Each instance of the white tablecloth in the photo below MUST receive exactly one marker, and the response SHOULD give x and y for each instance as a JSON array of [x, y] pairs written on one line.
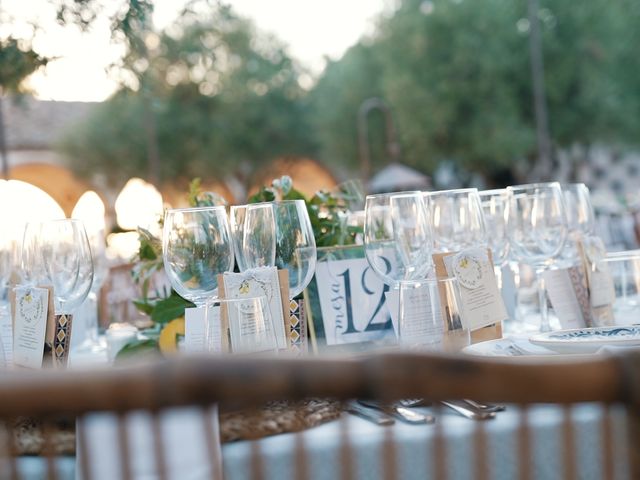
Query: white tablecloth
[[414, 444]]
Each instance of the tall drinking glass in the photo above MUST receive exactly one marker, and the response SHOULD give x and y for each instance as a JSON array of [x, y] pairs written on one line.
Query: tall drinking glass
[[537, 230], [580, 214], [430, 316], [196, 248], [251, 326]]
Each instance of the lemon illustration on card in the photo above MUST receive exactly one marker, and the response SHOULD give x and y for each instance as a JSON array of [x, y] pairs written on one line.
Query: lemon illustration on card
[[169, 335], [468, 271], [244, 287]]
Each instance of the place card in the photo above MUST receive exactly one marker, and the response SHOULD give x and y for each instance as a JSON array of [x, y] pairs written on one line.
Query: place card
[[248, 332], [30, 307], [569, 296], [259, 282], [483, 309]]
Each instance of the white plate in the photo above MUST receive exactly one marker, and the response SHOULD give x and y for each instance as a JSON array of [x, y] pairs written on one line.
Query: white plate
[[588, 340], [507, 347]]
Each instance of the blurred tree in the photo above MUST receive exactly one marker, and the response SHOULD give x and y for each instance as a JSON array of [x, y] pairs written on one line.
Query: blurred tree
[[457, 75], [224, 98], [18, 60], [335, 101]]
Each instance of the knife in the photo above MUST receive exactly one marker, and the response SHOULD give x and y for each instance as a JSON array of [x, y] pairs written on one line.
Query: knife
[[373, 415], [398, 411]]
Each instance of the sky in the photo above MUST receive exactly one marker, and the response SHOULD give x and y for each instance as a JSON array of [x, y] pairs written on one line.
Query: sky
[[313, 29]]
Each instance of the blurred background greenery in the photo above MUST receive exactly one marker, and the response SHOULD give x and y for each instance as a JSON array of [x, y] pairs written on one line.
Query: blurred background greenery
[[213, 96]]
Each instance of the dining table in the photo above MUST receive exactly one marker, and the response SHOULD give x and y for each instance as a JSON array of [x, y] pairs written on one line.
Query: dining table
[[413, 446]]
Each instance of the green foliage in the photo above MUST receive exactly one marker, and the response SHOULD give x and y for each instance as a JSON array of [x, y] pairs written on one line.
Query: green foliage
[[327, 212], [223, 98], [17, 61], [335, 101], [170, 308], [138, 349], [198, 198], [458, 78]]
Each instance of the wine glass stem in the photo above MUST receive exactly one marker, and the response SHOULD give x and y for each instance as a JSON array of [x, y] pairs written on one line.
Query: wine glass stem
[[498, 272], [92, 312], [542, 300]]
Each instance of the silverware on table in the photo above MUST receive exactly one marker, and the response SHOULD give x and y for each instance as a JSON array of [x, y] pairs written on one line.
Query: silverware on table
[[463, 409], [484, 407], [373, 415], [400, 412]]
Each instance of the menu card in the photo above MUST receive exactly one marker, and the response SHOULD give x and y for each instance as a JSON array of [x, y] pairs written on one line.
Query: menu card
[[482, 306], [30, 306], [264, 281]]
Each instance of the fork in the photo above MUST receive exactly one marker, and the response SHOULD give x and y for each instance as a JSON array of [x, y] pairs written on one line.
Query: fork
[[481, 407]]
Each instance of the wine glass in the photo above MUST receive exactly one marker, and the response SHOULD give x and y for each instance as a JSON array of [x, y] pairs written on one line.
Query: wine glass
[[57, 253], [397, 239], [494, 205], [295, 243], [6, 267], [196, 248], [494, 208], [580, 214], [8, 270], [236, 223], [258, 237], [456, 219], [537, 230], [580, 220]]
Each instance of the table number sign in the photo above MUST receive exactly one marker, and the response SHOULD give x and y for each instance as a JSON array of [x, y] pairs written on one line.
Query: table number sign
[[347, 302], [483, 309]]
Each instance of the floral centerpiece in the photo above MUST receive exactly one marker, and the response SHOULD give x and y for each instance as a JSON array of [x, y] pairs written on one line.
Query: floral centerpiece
[[165, 308]]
